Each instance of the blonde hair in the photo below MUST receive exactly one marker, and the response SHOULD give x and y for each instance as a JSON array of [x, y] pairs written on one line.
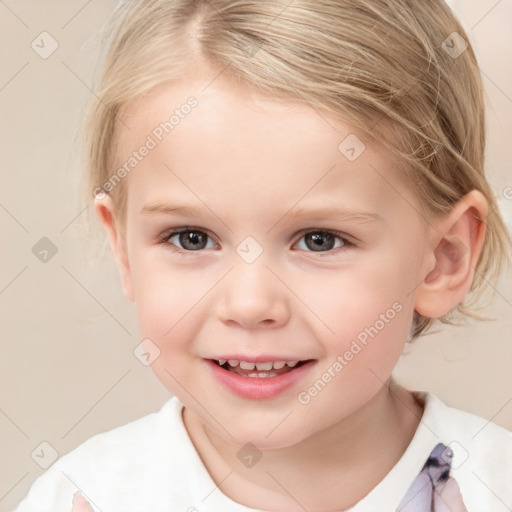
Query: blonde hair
[[391, 68]]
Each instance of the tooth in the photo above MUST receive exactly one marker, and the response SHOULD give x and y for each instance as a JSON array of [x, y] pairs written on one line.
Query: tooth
[[278, 365], [264, 366], [292, 363], [233, 362], [246, 365], [222, 361]]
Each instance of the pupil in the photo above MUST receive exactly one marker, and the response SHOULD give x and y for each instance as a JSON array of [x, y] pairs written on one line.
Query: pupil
[[324, 241], [191, 239]]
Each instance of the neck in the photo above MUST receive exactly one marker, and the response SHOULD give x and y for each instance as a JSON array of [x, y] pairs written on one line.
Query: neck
[[332, 469]]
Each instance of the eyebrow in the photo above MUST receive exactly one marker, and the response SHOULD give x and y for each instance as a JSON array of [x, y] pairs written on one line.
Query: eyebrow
[[330, 212], [322, 213], [168, 209]]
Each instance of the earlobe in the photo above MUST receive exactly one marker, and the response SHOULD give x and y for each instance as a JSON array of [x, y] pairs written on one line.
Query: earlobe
[[458, 243], [104, 209]]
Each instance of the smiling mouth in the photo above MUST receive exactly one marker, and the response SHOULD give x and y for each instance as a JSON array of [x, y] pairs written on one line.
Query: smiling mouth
[[259, 370]]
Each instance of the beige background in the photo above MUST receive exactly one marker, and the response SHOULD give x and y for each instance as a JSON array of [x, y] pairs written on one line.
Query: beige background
[[68, 333]]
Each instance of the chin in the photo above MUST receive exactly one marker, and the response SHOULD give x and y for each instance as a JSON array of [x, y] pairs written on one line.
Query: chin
[[264, 435]]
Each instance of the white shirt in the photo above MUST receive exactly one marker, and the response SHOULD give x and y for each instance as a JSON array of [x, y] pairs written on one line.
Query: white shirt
[[151, 465]]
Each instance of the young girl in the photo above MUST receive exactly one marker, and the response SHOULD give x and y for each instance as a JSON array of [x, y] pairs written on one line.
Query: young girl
[[292, 191]]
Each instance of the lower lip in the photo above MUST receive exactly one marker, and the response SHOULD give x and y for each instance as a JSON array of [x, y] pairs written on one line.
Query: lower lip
[[258, 388]]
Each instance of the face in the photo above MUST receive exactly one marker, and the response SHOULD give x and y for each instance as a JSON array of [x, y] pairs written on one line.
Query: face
[[250, 236]]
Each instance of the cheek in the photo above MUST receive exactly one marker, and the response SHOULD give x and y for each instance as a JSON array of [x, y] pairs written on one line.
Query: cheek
[[370, 328], [368, 309], [370, 338], [166, 298], [352, 299], [168, 305]]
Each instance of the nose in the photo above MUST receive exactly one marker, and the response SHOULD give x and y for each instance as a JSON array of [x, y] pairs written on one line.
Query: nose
[[252, 297]]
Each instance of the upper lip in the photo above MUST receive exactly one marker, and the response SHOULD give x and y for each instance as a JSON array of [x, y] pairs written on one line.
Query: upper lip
[[257, 359]]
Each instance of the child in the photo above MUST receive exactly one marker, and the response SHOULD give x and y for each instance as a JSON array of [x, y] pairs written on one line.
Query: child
[[292, 190]]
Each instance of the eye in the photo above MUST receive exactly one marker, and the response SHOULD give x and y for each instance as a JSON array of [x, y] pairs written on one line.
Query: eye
[[323, 241], [187, 239]]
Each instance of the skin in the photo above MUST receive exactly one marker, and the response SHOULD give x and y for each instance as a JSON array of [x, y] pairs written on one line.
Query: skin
[[80, 504], [435, 485], [253, 162]]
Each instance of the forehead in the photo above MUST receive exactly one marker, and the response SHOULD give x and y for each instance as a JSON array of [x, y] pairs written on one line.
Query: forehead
[[238, 148]]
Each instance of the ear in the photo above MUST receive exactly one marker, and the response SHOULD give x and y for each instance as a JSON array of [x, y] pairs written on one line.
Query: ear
[[104, 208], [458, 239]]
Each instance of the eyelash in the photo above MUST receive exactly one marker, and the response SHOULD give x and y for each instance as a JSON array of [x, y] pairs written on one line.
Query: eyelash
[[164, 240]]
